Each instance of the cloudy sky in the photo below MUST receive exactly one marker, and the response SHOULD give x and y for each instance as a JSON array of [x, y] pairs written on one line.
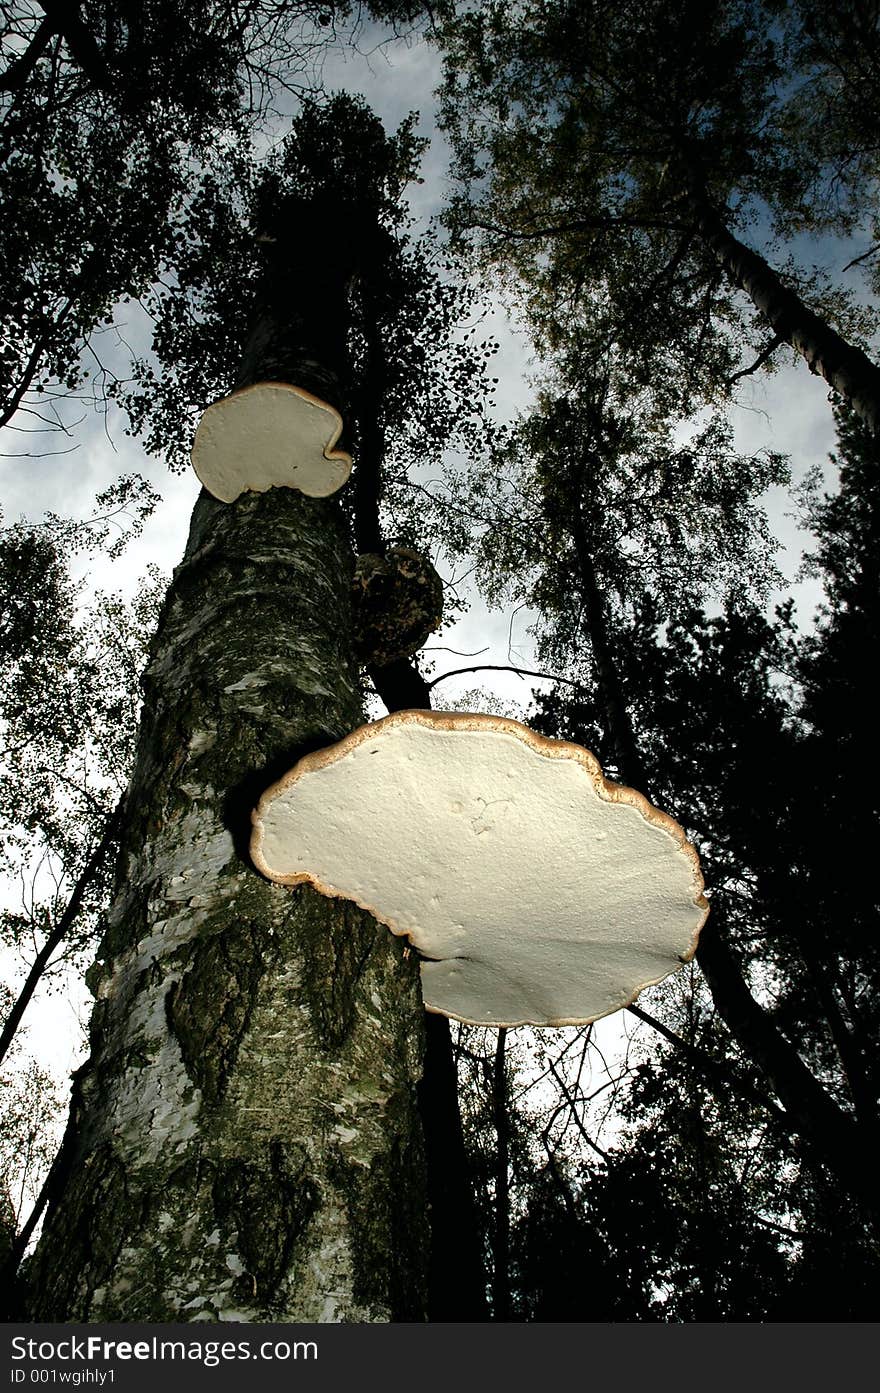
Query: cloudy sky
[[787, 412]]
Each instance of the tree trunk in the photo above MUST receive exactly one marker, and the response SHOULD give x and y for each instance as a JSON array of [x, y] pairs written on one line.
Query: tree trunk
[[68, 22], [845, 368], [57, 934], [833, 1138], [244, 1141], [618, 726], [501, 1226]]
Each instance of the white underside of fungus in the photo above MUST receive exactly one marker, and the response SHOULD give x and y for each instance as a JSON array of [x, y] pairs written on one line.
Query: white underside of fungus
[[537, 892], [270, 435]]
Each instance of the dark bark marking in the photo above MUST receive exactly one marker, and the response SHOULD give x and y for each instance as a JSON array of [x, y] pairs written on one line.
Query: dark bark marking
[[269, 1202], [338, 940], [209, 1009], [82, 1247], [401, 686], [243, 797], [386, 1214]]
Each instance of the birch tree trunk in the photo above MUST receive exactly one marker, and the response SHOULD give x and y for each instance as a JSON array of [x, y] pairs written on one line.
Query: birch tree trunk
[[844, 367], [244, 1141]]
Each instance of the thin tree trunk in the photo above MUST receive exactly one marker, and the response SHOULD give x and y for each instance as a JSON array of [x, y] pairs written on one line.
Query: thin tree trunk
[[501, 1225], [833, 1137], [618, 724], [718, 1075], [850, 1056], [61, 929], [16, 75], [456, 1279], [244, 1141], [844, 367], [68, 22]]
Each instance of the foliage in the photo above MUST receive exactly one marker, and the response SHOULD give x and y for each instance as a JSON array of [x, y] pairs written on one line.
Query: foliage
[[30, 1108], [748, 735], [416, 386], [95, 162], [112, 123], [608, 150], [68, 713], [668, 508], [829, 119]]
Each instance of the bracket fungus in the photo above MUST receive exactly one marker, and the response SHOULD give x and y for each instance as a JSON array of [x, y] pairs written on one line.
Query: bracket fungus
[[537, 892], [397, 602], [270, 435]]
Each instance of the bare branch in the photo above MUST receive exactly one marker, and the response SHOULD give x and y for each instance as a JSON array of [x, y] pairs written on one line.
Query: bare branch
[[759, 362], [872, 251], [503, 667], [563, 1087]]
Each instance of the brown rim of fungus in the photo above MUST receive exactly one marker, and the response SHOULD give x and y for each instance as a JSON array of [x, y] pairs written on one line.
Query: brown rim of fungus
[[607, 791], [201, 452]]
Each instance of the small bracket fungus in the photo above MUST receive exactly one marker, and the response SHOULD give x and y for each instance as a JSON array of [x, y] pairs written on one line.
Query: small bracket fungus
[[270, 435], [397, 601], [537, 892]]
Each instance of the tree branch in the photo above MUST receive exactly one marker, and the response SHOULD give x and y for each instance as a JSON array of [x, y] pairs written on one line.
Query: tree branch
[[832, 1135], [67, 21], [56, 937], [18, 72], [716, 1073], [504, 667], [563, 1087], [598, 224], [872, 251], [759, 362]]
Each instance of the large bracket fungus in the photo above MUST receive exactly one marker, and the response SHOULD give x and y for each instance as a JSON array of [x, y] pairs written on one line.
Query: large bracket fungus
[[270, 435], [536, 891]]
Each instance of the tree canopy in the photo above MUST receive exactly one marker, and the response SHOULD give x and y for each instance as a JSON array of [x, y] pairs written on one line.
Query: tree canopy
[[616, 160], [646, 190], [112, 118]]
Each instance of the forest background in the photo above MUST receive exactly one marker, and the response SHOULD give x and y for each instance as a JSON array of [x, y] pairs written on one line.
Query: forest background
[[609, 514]]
